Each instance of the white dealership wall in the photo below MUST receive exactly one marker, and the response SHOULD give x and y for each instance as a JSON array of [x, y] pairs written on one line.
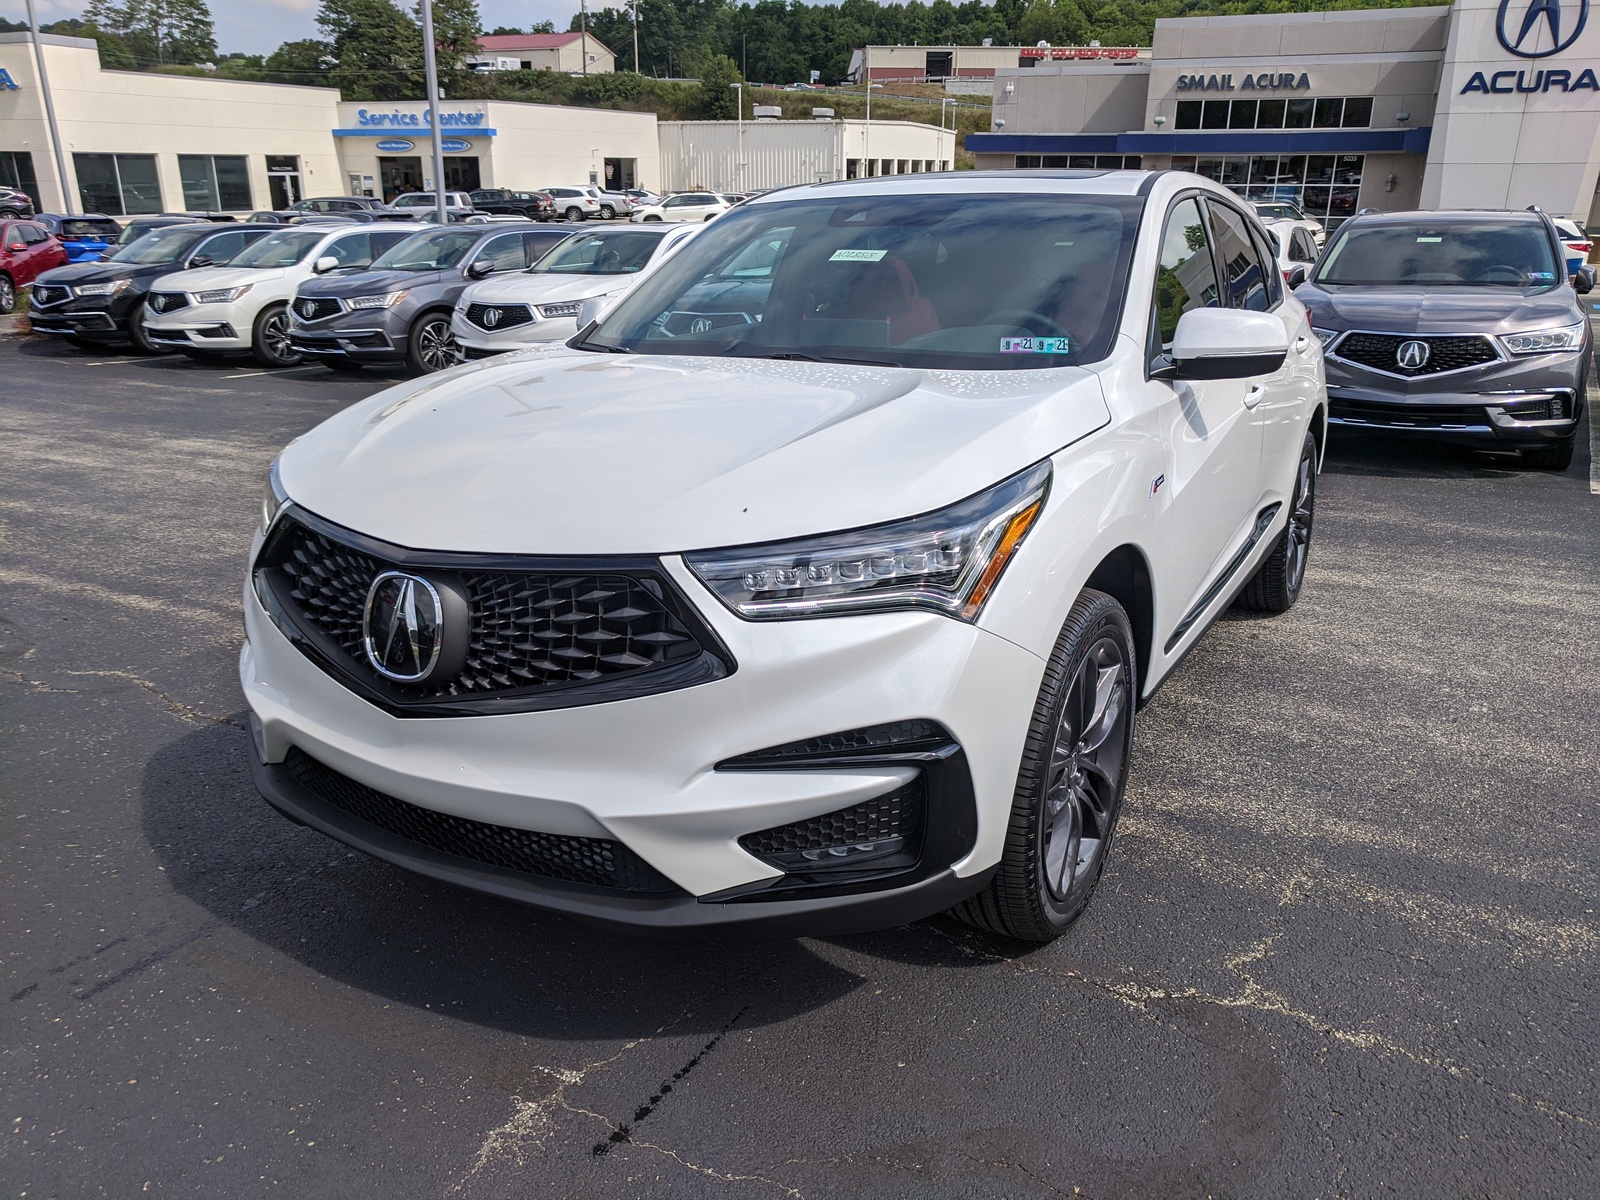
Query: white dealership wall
[[1497, 145], [127, 112], [727, 156]]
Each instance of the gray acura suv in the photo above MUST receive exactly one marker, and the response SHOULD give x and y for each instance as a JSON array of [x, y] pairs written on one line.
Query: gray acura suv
[[398, 310], [1460, 326]]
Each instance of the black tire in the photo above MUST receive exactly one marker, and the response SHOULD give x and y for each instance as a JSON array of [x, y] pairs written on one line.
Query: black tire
[[139, 338], [652, 217], [269, 338], [344, 366], [1276, 584], [8, 295], [1064, 794], [607, 213], [1557, 456], [431, 346], [574, 213]]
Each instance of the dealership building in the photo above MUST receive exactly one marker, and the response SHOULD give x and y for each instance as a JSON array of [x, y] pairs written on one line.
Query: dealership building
[[1483, 104]]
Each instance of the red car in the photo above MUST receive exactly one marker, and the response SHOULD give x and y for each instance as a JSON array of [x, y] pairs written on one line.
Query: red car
[[26, 251]]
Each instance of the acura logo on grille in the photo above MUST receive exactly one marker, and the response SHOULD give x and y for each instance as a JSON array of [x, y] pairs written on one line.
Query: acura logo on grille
[[491, 317], [402, 626], [308, 308], [1412, 355]]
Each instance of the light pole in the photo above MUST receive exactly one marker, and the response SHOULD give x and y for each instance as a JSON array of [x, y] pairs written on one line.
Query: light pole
[[866, 134], [430, 62], [635, 37], [50, 112], [943, 100], [583, 41], [738, 166]]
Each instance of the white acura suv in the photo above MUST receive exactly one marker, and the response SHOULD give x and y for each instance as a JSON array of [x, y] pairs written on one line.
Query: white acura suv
[[541, 304], [211, 311], [813, 598]]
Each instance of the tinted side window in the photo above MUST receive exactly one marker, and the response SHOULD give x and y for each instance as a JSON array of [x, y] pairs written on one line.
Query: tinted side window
[[1269, 261], [1186, 277], [1301, 247], [382, 241], [223, 247], [505, 251], [352, 251], [33, 234], [1247, 285]]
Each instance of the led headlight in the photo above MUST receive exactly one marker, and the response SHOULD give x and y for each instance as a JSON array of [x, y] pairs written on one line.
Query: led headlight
[[101, 289], [273, 497], [1556, 339], [947, 561], [387, 300], [224, 295], [1325, 335], [566, 308]]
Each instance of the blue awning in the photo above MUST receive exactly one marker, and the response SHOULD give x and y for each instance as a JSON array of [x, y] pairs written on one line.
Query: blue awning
[[1209, 141]]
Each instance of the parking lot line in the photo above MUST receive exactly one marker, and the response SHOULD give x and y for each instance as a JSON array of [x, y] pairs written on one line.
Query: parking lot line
[[244, 374]]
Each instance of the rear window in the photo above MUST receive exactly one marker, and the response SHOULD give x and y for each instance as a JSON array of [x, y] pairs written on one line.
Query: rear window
[[1441, 253], [109, 230]]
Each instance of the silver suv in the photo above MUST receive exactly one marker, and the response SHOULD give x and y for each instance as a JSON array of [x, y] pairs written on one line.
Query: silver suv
[[1459, 326]]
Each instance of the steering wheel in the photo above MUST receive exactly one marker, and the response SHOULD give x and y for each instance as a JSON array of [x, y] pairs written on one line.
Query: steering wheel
[[1026, 318], [1500, 274]]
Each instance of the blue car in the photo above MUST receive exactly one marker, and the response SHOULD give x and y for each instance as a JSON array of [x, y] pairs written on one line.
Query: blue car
[[86, 238]]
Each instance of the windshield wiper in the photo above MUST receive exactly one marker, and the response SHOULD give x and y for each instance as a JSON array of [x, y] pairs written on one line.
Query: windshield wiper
[[801, 356]]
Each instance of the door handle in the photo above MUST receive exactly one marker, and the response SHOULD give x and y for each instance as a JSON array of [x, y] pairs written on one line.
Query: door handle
[[1255, 395]]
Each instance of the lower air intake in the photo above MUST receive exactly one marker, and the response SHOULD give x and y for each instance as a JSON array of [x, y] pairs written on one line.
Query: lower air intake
[[874, 828]]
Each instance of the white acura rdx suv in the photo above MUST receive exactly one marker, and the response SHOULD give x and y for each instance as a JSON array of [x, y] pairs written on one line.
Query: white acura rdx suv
[[807, 598]]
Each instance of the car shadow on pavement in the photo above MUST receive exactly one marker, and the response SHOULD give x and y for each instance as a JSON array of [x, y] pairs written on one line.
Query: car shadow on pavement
[[419, 942], [1358, 452]]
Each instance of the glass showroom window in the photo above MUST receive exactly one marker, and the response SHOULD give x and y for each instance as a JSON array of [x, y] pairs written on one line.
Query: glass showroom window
[[16, 171], [214, 182], [1325, 186], [118, 185], [1346, 112]]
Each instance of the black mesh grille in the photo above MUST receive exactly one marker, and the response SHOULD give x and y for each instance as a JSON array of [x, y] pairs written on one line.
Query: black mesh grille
[[44, 293], [597, 862], [165, 302], [526, 630], [311, 308], [508, 316], [1379, 350], [1408, 416], [895, 815]]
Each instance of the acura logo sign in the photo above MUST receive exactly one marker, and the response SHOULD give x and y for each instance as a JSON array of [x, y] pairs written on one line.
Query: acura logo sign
[[1522, 26], [308, 309], [1412, 355], [491, 317], [403, 626]]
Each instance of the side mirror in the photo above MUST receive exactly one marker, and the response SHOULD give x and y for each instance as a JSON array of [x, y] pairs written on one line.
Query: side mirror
[[324, 264], [1297, 276], [1583, 281], [479, 269], [200, 260], [16, 245], [1224, 343]]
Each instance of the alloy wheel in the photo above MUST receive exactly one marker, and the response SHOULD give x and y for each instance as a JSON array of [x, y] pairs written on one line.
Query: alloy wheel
[[8, 295], [1300, 518], [275, 336], [1084, 779], [436, 345]]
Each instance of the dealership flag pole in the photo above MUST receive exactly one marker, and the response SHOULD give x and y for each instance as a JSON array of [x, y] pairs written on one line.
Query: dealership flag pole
[[50, 113], [430, 61]]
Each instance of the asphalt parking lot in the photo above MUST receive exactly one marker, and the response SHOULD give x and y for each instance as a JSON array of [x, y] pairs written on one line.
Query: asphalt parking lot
[[1346, 945]]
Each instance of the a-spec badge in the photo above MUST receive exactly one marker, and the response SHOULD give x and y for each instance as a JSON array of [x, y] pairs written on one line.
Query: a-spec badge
[[402, 626]]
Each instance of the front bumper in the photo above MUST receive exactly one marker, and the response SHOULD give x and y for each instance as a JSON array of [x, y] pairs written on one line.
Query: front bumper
[[1524, 402], [366, 335], [199, 326], [479, 342], [644, 772], [79, 319]]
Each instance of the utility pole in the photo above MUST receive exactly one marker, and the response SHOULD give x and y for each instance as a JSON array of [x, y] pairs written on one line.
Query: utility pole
[[583, 37], [50, 112], [635, 37], [738, 166], [430, 61]]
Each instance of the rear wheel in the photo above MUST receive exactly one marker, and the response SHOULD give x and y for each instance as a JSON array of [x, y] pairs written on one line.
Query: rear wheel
[[431, 346], [8, 295], [574, 213], [1276, 584], [269, 340], [1557, 456], [607, 212], [1069, 788]]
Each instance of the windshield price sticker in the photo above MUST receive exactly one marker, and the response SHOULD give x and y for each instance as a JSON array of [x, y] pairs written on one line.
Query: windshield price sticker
[[857, 255], [1034, 345]]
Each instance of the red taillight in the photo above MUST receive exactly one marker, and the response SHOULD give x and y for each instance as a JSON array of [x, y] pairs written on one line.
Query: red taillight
[[1584, 246]]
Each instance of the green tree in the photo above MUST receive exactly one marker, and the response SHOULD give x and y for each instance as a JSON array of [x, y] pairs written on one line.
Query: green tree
[[304, 61], [376, 48], [158, 31], [456, 29], [718, 100]]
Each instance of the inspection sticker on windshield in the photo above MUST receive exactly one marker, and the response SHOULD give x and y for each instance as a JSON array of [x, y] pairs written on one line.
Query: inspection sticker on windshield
[[856, 255], [1034, 345]]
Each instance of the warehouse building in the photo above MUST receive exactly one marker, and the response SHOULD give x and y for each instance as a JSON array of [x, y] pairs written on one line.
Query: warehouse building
[[742, 156], [1485, 104]]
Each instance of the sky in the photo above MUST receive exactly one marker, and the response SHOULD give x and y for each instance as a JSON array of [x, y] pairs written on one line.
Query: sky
[[261, 26]]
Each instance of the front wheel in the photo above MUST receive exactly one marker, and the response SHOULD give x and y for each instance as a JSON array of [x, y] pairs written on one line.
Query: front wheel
[[269, 341], [653, 217], [574, 213], [139, 337], [431, 347], [8, 295], [1069, 788], [1276, 584]]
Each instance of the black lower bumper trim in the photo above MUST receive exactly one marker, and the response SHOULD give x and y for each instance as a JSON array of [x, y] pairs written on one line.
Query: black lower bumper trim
[[678, 915]]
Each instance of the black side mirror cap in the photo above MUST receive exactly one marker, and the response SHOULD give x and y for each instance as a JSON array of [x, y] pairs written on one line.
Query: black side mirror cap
[[200, 260], [1219, 366], [1297, 276], [1583, 280]]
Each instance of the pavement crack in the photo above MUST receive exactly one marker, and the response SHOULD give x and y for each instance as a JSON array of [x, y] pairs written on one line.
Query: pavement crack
[[623, 1132], [148, 960], [184, 712], [724, 1176]]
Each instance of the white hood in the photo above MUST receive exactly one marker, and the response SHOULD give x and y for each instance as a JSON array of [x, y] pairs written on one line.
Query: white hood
[[580, 453], [522, 288], [209, 279]]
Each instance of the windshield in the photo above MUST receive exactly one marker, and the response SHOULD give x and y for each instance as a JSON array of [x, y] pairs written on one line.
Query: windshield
[[979, 282], [600, 254], [279, 249], [428, 251], [1279, 212], [158, 246], [1488, 253]]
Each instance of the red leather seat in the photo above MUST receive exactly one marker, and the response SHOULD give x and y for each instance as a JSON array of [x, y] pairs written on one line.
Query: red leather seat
[[887, 291]]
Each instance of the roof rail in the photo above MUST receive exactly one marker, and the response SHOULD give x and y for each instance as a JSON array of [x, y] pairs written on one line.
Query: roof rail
[[1536, 209], [1361, 212]]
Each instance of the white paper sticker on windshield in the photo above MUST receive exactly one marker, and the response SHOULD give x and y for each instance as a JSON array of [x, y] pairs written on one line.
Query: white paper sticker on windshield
[[1034, 345], [857, 255], [1437, 239]]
